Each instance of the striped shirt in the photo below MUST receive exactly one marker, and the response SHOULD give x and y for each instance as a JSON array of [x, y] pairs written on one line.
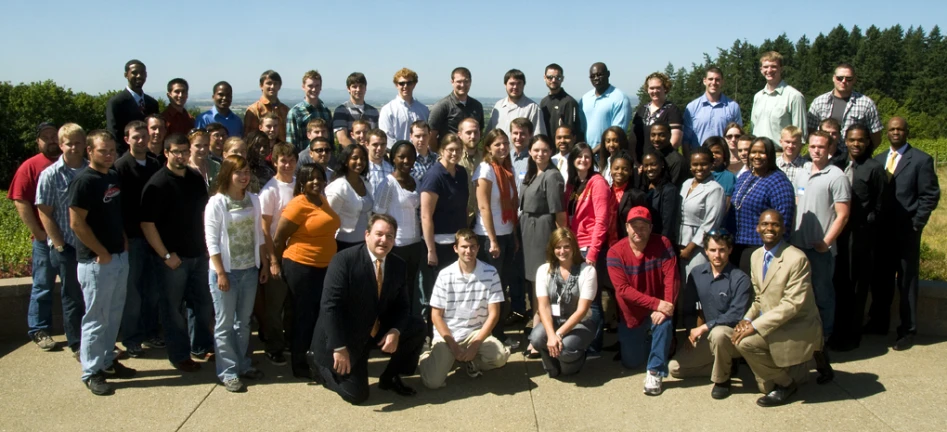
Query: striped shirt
[[52, 189], [465, 298], [376, 175], [859, 109], [298, 119]]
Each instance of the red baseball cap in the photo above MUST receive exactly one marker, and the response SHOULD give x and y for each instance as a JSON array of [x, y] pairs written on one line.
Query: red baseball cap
[[639, 212]]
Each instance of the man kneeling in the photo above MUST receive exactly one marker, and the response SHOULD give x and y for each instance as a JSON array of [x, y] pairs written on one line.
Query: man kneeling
[[465, 306], [723, 292]]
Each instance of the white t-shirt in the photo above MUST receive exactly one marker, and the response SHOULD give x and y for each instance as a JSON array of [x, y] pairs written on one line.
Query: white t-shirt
[[485, 171], [466, 298], [588, 283], [402, 205], [273, 198]]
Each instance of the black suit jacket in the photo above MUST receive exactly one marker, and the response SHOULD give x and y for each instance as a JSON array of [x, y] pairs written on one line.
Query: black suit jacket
[[350, 304], [122, 109], [913, 192]]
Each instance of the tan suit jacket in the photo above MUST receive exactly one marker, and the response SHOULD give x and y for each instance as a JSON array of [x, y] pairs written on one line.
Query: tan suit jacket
[[784, 312]]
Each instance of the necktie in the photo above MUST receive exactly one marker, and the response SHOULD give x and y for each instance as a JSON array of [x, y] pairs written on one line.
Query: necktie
[[891, 165], [141, 104], [378, 280], [767, 258]]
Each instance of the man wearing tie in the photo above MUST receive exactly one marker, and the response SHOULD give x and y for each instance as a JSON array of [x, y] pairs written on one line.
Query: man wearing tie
[[365, 303], [782, 327], [129, 104], [911, 195]]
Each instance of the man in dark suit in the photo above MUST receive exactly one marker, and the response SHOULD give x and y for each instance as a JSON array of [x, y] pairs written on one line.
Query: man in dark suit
[[365, 303], [912, 194], [129, 104]]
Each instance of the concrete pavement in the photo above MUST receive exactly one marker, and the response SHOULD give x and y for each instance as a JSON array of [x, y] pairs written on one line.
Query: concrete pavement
[[875, 389]]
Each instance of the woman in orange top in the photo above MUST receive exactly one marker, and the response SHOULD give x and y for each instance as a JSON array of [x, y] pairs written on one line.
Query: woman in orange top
[[304, 245]]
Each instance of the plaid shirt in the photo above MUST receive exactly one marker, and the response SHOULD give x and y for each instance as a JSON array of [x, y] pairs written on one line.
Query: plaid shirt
[[298, 118], [753, 195], [377, 174], [859, 109], [52, 190], [422, 164], [792, 169]]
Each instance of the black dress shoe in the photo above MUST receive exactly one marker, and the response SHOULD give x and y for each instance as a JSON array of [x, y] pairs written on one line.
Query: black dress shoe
[[903, 343], [779, 396], [720, 391], [313, 372], [822, 365], [394, 384]]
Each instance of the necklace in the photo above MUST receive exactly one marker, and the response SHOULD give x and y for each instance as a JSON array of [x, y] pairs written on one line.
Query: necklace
[[742, 196]]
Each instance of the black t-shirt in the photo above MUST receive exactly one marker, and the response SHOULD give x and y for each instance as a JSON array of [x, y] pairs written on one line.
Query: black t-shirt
[[100, 195], [134, 176], [669, 114], [176, 206]]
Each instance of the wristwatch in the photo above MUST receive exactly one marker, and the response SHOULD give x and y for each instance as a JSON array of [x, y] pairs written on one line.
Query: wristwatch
[[60, 249], [167, 256]]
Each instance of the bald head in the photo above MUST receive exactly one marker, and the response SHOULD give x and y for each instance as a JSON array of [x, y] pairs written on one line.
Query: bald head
[[897, 132], [598, 75]]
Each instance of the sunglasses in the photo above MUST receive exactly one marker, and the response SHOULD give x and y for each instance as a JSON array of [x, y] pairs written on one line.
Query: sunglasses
[[733, 136], [319, 150], [719, 232], [405, 83], [195, 131], [553, 78], [844, 78]]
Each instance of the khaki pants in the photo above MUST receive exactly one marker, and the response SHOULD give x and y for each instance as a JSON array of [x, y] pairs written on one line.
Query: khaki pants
[[756, 352], [436, 363], [712, 356]]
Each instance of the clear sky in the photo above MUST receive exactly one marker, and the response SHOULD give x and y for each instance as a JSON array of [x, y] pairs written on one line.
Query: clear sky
[[84, 45]]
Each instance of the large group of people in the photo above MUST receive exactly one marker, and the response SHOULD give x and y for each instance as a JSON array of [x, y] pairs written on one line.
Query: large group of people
[[698, 241]]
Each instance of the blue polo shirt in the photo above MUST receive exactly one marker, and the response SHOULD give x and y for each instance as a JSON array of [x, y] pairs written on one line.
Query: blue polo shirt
[[598, 113], [231, 122], [703, 119], [450, 212]]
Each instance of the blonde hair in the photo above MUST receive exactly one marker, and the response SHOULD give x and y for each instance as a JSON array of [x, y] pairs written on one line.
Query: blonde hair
[[232, 142], [405, 73], [665, 81], [70, 130], [792, 131], [772, 56], [313, 75]]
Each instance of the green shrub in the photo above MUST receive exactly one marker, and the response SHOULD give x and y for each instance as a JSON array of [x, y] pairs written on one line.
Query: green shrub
[[16, 248]]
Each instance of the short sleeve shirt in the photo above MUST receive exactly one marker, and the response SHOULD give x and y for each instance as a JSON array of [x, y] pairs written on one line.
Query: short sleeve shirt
[[485, 171], [815, 205], [313, 243], [465, 298], [175, 204], [23, 186], [100, 196], [450, 212]]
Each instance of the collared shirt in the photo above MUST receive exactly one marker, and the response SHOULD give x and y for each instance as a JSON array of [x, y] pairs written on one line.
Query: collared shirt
[[372, 257], [377, 174], [448, 112], [260, 108], [520, 165], [231, 121], [178, 121], [466, 298], [704, 119], [348, 112], [724, 298], [793, 169], [562, 164], [600, 112], [868, 181], [505, 111], [859, 109], [396, 117], [899, 153], [139, 98], [815, 205], [422, 164], [560, 109], [774, 110], [470, 162], [51, 190], [297, 121]]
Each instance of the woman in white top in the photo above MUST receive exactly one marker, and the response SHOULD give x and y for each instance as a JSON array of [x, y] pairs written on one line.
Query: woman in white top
[[565, 289], [398, 197], [496, 203], [233, 232], [703, 208], [350, 196]]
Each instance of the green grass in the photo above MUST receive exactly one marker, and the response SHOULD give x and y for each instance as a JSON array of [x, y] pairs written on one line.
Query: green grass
[[934, 238], [15, 246]]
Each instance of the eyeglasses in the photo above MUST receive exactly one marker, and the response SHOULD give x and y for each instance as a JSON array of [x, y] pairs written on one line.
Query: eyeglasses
[[732, 136], [405, 83], [845, 78], [319, 150], [719, 232], [553, 78], [180, 152]]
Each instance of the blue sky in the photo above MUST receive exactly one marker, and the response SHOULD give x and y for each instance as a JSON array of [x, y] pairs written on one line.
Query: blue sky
[[84, 45]]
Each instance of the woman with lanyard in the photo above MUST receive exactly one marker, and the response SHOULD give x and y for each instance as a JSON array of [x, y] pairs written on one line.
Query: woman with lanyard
[[304, 244], [591, 209], [663, 197], [350, 196], [763, 187], [657, 110], [703, 204], [398, 196], [200, 150], [444, 194], [542, 209], [721, 152], [565, 289], [496, 217], [613, 140], [234, 235]]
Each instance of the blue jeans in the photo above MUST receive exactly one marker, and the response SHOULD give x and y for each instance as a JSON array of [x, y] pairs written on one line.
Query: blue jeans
[[636, 348], [232, 310], [140, 318], [73, 305], [103, 288], [517, 278], [40, 313], [185, 292], [823, 269]]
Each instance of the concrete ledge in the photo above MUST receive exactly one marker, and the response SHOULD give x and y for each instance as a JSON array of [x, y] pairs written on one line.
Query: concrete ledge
[[15, 301]]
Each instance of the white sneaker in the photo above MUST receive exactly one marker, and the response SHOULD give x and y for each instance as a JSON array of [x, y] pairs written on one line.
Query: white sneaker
[[652, 384]]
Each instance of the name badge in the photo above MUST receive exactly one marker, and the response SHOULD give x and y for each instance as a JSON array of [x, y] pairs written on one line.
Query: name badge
[[801, 191], [555, 310]]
